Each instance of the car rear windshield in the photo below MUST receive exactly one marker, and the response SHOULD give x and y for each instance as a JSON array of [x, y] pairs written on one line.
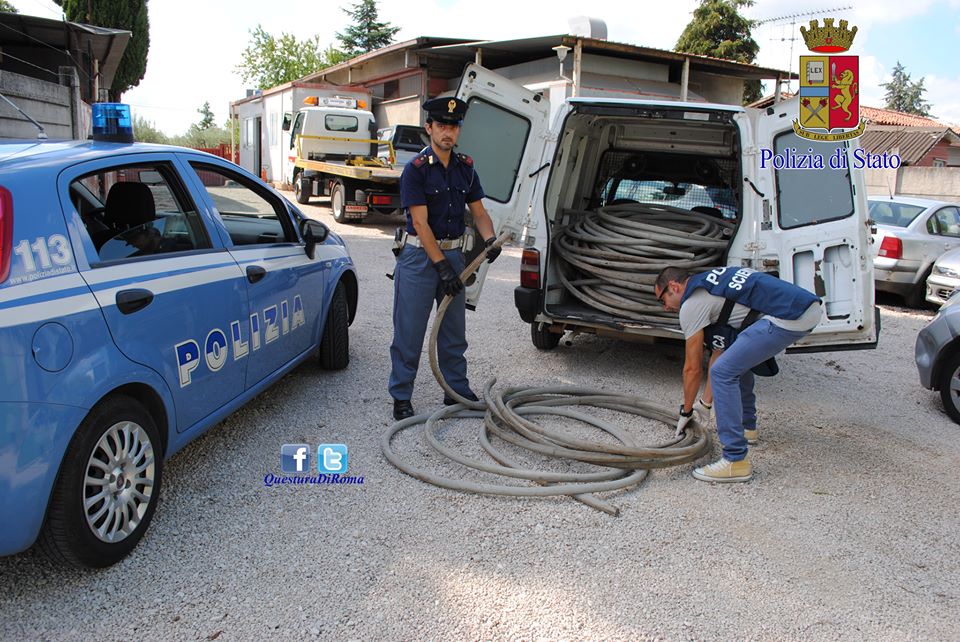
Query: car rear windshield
[[893, 213]]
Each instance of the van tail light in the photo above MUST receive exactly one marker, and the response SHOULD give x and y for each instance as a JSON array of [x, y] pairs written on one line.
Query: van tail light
[[381, 200], [530, 269], [891, 248], [6, 232]]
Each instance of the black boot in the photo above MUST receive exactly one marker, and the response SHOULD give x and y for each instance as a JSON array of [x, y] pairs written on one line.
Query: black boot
[[402, 409], [449, 401]]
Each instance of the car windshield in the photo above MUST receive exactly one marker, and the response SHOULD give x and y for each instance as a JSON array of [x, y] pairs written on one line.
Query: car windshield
[[682, 195], [894, 213]]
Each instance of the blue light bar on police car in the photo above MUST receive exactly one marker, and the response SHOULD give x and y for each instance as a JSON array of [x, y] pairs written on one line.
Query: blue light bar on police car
[[112, 123]]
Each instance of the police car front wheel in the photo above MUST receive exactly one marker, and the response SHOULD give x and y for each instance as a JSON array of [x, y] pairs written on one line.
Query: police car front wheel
[[108, 486]]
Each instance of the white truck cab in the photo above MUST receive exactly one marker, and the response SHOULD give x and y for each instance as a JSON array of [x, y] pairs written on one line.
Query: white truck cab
[[807, 226]]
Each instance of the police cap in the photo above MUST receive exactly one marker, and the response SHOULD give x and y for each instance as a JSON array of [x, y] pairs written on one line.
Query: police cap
[[446, 110]]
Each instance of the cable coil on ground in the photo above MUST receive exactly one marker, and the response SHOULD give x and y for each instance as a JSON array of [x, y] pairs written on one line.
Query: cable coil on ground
[[509, 414]]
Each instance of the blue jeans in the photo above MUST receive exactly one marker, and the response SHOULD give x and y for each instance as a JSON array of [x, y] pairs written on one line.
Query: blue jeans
[[732, 382], [416, 289]]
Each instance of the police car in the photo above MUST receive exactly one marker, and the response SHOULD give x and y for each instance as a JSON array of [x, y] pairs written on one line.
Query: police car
[[146, 292]]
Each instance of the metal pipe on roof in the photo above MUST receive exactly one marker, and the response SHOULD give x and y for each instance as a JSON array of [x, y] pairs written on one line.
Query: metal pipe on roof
[[577, 66], [684, 79]]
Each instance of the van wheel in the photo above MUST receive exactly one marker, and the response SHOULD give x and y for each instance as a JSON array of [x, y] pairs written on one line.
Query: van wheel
[[338, 202], [302, 187], [335, 344], [107, 488], [542, 337], [949, 384]]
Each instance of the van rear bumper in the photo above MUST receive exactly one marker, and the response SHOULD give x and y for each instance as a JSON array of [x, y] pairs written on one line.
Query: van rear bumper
[[527, 301]]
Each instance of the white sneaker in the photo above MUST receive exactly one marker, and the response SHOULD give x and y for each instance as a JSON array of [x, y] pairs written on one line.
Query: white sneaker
[[724, 470]]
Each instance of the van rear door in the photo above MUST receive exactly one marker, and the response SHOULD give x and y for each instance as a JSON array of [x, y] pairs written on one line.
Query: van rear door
[[809, 223], [504, 131]]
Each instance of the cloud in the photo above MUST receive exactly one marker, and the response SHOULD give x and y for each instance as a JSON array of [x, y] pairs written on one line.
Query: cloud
[[943, 94]]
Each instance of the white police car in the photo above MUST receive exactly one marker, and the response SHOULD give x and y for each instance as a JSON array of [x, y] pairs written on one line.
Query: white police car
[[146, 292]]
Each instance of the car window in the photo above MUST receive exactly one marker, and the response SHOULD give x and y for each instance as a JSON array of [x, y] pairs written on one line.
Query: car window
[[948, 220], [250, 213], [688, 196], [134, 211], [497, 158], [411, 139], [340, 123], [812, 196], [896, 214]]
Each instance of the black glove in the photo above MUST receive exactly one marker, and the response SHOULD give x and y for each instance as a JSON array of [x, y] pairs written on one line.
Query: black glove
[[495, 252], [449, 280]]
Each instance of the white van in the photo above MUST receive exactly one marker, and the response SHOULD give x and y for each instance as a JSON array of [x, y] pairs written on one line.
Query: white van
[[808, 226]]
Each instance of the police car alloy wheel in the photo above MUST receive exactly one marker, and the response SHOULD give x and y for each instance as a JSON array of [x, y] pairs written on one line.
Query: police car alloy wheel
[[107, 488], [949, 385]]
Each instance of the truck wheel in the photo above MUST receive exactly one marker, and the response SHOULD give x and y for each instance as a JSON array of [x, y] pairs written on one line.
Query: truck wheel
[[543, 338], [107, 488], [338, 202], [335, 344], [302, 187], [949, 384]]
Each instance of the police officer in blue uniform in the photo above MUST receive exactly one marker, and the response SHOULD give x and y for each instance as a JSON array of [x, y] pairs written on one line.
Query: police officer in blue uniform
[[787, 313], [434, 189]]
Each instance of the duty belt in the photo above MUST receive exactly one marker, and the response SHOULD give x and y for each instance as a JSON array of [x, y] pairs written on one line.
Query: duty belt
[[445, 244]]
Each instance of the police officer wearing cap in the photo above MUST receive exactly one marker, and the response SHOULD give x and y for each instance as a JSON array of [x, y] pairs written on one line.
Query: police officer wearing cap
[[434, 189]]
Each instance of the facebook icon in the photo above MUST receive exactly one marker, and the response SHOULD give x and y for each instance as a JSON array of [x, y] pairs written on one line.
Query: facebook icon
[[332, 458], [295, 458]]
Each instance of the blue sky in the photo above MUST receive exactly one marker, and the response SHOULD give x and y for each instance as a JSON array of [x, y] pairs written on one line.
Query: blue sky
[[195, 46]]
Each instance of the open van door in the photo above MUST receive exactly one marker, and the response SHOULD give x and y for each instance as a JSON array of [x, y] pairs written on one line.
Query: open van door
[[505, 130], [811, 225]]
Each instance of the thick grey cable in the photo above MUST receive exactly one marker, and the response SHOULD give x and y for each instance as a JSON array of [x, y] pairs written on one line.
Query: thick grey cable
[[609, 258], [508, 415]]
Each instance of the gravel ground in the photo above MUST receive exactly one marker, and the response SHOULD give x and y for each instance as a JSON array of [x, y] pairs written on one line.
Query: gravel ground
[[847, 531]]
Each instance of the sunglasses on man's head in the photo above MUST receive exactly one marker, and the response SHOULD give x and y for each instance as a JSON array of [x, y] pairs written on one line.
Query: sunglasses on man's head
[[660, 296]]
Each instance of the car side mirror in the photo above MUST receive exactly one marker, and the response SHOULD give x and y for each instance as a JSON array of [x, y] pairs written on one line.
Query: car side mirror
[[313, 232]]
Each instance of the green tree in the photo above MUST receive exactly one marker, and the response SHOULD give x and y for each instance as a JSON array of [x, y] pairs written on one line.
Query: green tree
[[144, 131], [117, 14], [366, 33], [7, 7], [208, 119], [269, 61], [904, 95], [717, 29]]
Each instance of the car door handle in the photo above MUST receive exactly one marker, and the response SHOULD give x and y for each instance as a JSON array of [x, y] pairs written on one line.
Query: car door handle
[[130, 301], [255, 273]]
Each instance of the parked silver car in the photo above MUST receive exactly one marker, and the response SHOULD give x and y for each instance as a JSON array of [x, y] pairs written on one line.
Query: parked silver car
[[938, 356], [944, 278], [911, 234]]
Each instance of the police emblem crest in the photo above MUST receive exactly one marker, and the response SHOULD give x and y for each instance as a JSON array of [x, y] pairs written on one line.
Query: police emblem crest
[[451, 105], [829, 85]]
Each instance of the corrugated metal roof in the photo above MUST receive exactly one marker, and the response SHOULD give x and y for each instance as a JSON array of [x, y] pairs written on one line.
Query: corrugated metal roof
[[912, 143], [537, 47]]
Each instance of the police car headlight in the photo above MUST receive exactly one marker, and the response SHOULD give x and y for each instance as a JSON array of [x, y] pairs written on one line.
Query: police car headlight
[[945, 271]]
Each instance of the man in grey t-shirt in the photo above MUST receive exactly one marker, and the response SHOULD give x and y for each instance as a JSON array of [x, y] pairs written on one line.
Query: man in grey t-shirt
[[789, 313]]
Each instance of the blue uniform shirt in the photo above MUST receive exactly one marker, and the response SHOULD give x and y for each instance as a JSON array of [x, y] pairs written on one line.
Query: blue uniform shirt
[[444, 190], [758, 291]]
